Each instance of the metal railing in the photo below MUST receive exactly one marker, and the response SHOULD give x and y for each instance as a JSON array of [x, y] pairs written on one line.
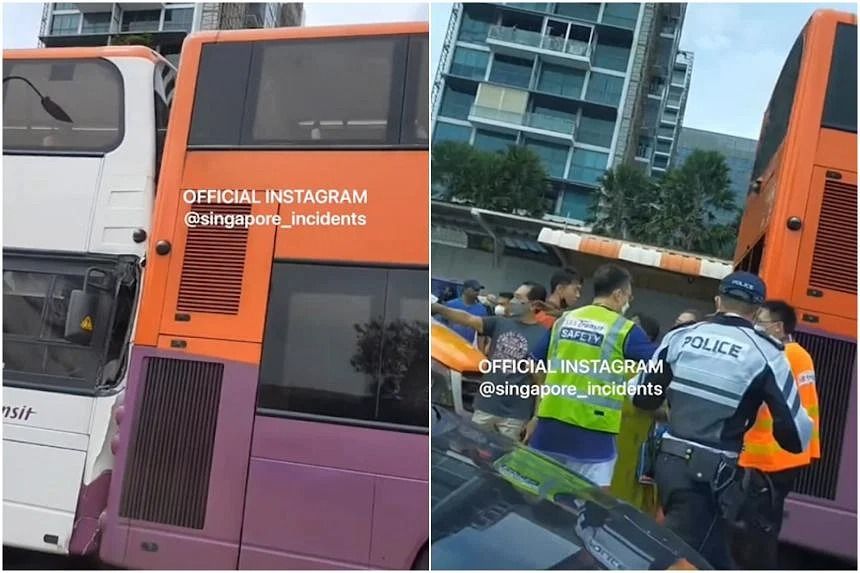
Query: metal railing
[[542, 121], [536, 40]]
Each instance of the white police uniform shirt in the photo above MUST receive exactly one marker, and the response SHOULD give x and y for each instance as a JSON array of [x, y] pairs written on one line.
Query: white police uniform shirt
[[715, 375]]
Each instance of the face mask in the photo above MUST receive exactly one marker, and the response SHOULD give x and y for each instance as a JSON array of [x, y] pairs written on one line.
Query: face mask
[[625, 308], [517, 308], [500, 310]]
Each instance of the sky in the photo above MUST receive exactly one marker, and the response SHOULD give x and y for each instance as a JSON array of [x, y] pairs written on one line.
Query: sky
[[739, 50], [21, 20]]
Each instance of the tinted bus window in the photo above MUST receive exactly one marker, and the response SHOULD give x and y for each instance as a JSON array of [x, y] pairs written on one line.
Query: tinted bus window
[[326, 92], [89, 92], [329, 93], [840, 104], [219, 97], [775, 124], [416, 109], [347, 342]]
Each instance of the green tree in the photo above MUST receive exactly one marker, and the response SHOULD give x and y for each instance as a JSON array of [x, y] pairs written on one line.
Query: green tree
[[689, 201], [681, 210], [513, 181], [132, 40], [623, 203]]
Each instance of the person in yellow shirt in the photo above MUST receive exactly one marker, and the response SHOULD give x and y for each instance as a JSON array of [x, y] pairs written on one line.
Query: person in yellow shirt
[[756, 548]]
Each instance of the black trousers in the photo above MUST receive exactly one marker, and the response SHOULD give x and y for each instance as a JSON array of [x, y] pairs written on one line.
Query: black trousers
[[691, 511], [755, 548]]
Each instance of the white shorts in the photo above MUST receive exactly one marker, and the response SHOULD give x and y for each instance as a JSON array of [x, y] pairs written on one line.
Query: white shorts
[[598, 472]]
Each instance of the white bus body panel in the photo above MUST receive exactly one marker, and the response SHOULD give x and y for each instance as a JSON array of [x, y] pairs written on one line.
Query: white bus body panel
[[43, 464], [73, 205], [88, 204]]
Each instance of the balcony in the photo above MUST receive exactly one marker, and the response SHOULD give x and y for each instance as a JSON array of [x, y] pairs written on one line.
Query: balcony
[[94, 7], [541, 123], [553, 49]]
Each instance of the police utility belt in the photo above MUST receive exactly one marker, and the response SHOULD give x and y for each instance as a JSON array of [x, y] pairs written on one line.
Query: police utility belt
[[739, 491]]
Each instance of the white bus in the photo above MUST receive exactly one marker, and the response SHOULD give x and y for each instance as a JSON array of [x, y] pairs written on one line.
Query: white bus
[[83, 130]]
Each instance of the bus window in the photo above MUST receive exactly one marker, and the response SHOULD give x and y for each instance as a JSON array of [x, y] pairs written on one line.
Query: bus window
[[89, 92], [775, 124], [315, 92], [34, 313], [346, 342], [840, 103], [416, 108]]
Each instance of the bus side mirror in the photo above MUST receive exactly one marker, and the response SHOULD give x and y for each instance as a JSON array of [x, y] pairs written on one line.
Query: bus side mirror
[[81, 317]]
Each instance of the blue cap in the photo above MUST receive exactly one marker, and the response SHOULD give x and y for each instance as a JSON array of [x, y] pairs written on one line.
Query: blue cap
[[741, 285]]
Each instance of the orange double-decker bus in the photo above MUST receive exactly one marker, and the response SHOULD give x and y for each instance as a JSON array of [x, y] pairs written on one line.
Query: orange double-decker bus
[[799, 233], [277, 404]]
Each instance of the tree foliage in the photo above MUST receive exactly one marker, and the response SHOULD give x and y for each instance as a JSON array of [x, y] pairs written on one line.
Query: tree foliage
[[132, 40], [513, 181], [681, 211]]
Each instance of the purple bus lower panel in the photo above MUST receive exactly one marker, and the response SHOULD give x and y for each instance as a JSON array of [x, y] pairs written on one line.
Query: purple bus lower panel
[[91, 502], [809, 524], [323, 495], [177, 496]]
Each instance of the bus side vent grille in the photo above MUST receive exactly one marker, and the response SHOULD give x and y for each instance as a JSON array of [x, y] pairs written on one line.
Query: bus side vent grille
[[170, 460], [834, 261], [835, 372], [214, 263]]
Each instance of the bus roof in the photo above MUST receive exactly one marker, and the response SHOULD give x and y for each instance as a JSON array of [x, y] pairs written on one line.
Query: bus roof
[[296, 32], [80, 53], [820, 16]]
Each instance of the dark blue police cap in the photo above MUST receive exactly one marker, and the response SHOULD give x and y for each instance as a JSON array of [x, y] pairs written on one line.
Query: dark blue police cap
[[744, 286]]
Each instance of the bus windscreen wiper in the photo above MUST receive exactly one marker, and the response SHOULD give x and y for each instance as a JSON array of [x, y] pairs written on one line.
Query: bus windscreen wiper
[[49, 105]]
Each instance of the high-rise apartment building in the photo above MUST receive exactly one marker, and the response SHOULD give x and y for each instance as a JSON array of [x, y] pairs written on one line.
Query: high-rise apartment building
[[586, 86], [738, 151], [97, 24]]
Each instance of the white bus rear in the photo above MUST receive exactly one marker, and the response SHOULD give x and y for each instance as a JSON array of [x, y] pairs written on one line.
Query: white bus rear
[[82, 135]]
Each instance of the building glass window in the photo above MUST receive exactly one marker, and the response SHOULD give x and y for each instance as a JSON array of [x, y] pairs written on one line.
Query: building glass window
[[178, 19], [678, 77], [552, 119], [493, 142], [584, 11], [553, 157], [470, 64], [65, 6], [670, 116], [595, 131], [456, 103], [588, 166], [65, 24], [611, 57], [621, 15], [450, 132], [141, 21], [96, 23], [511, 71], [561, 81], [576, 205], [603, 88], [475, 26]]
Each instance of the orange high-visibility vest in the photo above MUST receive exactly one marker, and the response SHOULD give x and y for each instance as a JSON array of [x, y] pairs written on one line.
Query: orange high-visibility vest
[[761, 450]]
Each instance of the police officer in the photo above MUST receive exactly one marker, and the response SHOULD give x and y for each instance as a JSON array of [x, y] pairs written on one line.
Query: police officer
[[715, 375]]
